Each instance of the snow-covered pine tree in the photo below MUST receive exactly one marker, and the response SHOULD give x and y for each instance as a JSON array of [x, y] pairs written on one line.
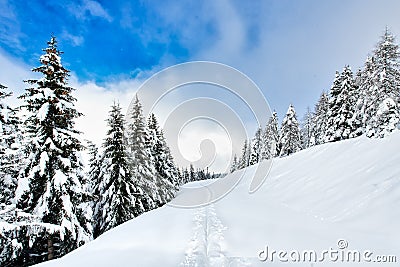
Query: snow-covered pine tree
[[208, 174], [93, 175], [168, 180], [192, 174], [256, 150], [270, 138], [54, 171], [234, 165], [307, 130], [181, 178], [244, 160], [140, 159], [119, 196], [383, 88], [289, 139], [366, 89], [10, 158], [341, 113], [249, 152], [185, 176], [320, 119], [386, 119], [200, 174], [358, 96]]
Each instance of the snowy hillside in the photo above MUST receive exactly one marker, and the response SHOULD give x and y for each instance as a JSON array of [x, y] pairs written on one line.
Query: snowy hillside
[[347, 190]]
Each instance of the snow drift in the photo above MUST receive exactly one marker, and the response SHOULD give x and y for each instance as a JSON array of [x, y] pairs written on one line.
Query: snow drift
[[348, 191]]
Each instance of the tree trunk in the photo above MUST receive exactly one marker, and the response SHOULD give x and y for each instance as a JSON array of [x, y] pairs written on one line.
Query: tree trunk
[[50, 248]]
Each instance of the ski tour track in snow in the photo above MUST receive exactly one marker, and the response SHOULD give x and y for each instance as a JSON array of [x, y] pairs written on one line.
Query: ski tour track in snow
[[207, 246]]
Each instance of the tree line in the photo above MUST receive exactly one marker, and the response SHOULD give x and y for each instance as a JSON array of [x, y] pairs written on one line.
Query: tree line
[[365, 103]]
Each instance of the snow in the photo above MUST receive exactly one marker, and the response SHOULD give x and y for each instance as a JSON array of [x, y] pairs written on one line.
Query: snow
[[385, 106], [44, 158], [60, 178], [345, 190], [22, 187], [42, 112]]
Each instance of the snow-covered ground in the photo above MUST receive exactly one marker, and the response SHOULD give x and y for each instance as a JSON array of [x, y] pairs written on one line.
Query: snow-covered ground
[[347, 191]]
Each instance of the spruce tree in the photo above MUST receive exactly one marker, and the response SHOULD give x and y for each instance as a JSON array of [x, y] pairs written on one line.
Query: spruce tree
[[341, 113], [383, 87], [244, 160], [308, 130], [271, 138], [95, 167], [249, 152], [358, 96], [201, 175], [320, 119], [140, 159], [54, 171], [366, 90], [119, 195], [256, 150], [185, 176], [167, 178], [289, 139], [10, 149], [192, 174], [234, 165], [386, 119]]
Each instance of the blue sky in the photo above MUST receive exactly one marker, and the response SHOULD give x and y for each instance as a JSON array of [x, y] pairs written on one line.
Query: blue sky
[[298, 45], [291, 49], [287, 47]]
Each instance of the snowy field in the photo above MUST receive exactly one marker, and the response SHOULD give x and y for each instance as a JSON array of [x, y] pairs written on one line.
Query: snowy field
[[349, 191]]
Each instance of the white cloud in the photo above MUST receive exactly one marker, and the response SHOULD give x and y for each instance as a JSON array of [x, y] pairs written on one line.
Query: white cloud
[[231, 33], [75, 40], [94, 102], [12, 74], [10, 30], [89, 7]]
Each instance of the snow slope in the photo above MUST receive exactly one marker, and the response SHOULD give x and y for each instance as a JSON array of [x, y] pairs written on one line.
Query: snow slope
[[346, 190]]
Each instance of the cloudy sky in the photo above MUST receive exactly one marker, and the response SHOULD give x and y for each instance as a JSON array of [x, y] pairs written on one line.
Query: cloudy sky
[[290, 49]]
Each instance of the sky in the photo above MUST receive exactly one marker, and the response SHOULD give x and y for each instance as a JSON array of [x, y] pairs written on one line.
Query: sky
[[290, 49]]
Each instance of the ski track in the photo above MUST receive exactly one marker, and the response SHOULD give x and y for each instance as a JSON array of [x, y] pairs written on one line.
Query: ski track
[[207, 246]]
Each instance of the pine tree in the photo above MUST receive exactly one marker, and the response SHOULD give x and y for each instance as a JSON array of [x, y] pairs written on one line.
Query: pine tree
[[119, 197], [94, 182], [244, 160], [387, 118], [185, 176], [249, 152], [271, 138], [256, 150], [10, 148], [289, 139], [320, 119], [200, 174], [382, 86], [366, 91], [358, 96], [234, 165], [192, 174], [341, 111], [142, 165], [168, 174], [308, 130], [54, 171]]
